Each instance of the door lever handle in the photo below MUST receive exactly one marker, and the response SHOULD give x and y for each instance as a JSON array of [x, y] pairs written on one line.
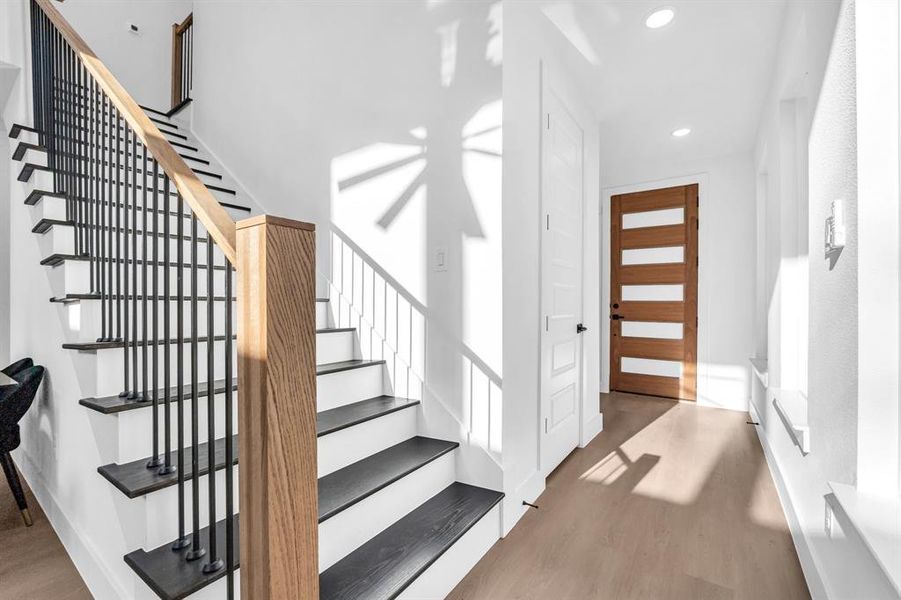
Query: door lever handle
[[580, 328], [616, 317]]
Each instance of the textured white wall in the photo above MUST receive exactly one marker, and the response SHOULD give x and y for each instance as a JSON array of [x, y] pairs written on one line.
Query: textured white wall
[[818, 63]]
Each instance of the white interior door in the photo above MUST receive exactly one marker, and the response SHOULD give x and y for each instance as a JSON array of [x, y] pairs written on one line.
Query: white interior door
[[561, 282]]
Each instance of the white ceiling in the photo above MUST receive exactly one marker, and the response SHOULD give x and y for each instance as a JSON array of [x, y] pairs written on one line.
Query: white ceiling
[[709, 70]]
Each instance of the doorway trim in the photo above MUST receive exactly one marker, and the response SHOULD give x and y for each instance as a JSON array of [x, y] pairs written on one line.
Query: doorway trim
[[547, 88], [607, 192]]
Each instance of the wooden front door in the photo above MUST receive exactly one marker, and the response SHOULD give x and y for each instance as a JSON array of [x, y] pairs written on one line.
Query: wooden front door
[[654, 292]]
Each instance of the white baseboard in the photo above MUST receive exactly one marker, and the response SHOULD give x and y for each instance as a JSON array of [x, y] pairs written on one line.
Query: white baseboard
[[101, 582], [513, 508], [591, 429], [808, 562]]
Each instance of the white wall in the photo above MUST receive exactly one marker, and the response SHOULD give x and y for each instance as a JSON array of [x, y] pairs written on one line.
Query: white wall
[[141, 62], [530, 42], [818, 66], [726, 248], [381, 124]]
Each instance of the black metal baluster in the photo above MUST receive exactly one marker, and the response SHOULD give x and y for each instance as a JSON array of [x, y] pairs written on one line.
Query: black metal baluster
[[102, 217], [155, 461], [182, 541], [197, 550], [92, 179], [113, 114], [229, 449], [126, 340], [167, 413], [145, 396], [135, 393], [215, 563], [121, 165]]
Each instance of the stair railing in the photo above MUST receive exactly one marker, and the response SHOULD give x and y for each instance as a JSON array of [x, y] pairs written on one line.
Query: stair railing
[[145, 224], [182, 61]]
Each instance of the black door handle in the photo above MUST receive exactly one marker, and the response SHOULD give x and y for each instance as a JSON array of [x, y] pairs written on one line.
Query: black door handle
[[580, 328], [618, 317]]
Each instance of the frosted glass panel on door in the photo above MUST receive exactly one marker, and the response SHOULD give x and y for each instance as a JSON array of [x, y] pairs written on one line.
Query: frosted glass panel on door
[[659, 293], [653, 218], [651, 366], [647, 256], [651, 329]]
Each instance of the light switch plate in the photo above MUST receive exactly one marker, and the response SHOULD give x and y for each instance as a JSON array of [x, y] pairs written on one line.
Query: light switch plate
[[439, 259]]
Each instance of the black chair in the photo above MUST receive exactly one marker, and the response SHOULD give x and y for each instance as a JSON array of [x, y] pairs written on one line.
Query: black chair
[[17, 366], [15, 401]]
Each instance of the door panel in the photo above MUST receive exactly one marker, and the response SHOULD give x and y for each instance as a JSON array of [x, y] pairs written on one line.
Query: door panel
[[561, 301], [654, 291]]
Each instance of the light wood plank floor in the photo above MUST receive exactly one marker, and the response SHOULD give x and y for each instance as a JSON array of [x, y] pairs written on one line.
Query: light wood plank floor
[[33, 563], [670, 501]]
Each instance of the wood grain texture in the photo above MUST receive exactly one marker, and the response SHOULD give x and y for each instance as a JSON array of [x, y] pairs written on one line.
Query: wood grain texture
[[665, 312], [175, 96], [660, 236], [655, 274], [672, 501], [211, 214], [673, 197], [651, 385], [277, 412], [651, 348], [616, 289], [689, 389]]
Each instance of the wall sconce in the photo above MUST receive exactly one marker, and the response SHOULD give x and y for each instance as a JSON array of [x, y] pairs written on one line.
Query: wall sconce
[[835, 228]]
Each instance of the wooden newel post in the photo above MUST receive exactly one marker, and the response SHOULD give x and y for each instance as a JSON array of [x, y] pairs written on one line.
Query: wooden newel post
[[277, 409]]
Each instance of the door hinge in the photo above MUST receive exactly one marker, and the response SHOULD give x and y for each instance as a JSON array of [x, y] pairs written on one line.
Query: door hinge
[[697, 223], [545, 424], [547, 323], [549, 120], [547, 221], [696, 322], [697, 261]]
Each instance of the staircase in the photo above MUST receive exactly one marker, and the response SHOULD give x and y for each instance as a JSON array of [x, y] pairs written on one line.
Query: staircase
[[149, 293]]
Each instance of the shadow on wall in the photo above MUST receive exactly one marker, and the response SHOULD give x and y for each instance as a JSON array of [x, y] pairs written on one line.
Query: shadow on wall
[[416, 230]]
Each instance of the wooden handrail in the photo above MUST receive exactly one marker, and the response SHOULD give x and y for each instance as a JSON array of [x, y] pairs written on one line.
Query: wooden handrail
[[181, 27], [211, 214]]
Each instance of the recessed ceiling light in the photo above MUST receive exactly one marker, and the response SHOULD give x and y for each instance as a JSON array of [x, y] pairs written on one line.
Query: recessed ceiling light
[[681, 132], [660, 18]]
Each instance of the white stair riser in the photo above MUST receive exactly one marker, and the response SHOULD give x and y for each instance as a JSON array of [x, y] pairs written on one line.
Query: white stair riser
[[74, 277], [55, 208], [61, 239], [335, 347], [84, 319], [135, 427], [357, 524], [451, 567], [341, 448], [109, 366], [322, 320], [345, 387], [161, 509]]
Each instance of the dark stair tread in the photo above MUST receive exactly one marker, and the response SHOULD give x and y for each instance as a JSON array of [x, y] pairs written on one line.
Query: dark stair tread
[[59, 258], [355, 482], [134, 479], [44, 225], [346, 365], [337, 491], [380, 568], [385, 565], [342, 417], [90, 346], [35, 196], [17, 128], [172, 577], [24, 147], [153, 110], [114, 404], [29, 168], [68, 298]]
